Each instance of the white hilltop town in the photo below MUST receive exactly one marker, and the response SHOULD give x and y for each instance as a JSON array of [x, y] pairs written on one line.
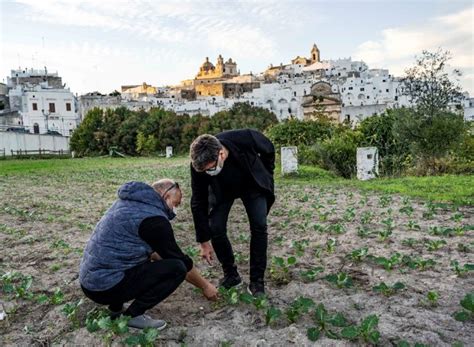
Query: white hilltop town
[[36, 101]]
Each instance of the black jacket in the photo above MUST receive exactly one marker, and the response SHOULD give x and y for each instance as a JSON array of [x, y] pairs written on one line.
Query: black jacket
[[255, 153]]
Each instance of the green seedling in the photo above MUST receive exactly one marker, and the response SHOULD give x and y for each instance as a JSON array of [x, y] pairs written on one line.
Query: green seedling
[[146, 338], [363, 232], [432, 298], [324, 321], [18, 284], [57, 298], [349, 214], [240, 258], [385, 200], [341, 280], [419, 263], [299, 246], [70, 309], [310, 275], [323, 216], [389, 263], [457, 217], [410, 242], [434, 245], [467, 313], [331, 245], [192, 252], [461, 271], [359, 254], [272, 315], [366, 331], [366, 217], [298, 307], [441, 231], [319, 228], [388, 290], [412, 225], [384, 235], [389, 224], [464, 248], [260, 302], [407, 210], [335, 229], [280, 269]]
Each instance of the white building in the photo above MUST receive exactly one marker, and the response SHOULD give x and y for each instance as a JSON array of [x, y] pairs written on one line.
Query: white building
[[468, 104], [46, 109]]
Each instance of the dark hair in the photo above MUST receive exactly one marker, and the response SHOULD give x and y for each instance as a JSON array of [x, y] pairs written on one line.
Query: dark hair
[[204, 150]]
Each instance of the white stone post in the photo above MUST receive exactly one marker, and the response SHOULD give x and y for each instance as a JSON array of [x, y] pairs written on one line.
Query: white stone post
[[289, 160], [169, 151], [367, 163]]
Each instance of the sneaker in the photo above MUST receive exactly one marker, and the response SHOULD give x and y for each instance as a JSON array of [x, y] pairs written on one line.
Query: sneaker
[[143, 321], [256, 288], [230, 280], [115, 314]]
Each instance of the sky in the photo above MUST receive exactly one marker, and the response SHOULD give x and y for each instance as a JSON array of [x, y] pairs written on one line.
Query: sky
[[99, 45]]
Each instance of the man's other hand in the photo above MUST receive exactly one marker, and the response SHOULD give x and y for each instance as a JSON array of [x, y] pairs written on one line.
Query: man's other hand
[[210, 292], [207, 252]]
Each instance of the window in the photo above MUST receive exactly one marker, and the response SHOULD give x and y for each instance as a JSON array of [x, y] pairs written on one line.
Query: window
[[384, 81], [294, 93], [386, 90], [396, 98], [35, 106], [350, 88], [368, 97], [362, 89], [68, 106], [52, 107]]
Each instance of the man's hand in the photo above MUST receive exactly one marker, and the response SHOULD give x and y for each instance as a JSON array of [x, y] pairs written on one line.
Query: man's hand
[[210, 292], [207, 252]]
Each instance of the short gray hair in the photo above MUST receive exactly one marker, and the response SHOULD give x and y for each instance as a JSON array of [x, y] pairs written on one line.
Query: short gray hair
[[204, 150]]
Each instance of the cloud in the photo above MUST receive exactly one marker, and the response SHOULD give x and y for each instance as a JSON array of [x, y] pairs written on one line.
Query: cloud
[[398, 46]]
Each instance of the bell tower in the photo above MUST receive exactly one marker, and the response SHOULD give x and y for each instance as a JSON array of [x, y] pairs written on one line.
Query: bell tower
[[315, 54]]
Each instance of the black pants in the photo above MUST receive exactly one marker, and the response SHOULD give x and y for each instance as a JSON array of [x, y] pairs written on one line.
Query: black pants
[[256, 207], [148, 283]]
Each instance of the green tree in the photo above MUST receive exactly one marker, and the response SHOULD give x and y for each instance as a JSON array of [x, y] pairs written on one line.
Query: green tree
[[429, 86]]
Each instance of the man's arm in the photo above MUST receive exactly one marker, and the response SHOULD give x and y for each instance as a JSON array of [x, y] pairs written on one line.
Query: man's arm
[[265, 149], [200, 205], [158, 233]]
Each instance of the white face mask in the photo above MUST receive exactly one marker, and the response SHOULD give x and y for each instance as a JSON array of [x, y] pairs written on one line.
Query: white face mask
[[217, 170]]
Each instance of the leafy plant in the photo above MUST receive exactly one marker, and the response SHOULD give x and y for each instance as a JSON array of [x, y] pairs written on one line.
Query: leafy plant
[[461, 271], [336, 228], [434, 245], [272, 315], [408, 210], [323, 321], [280, 269], [57, 298], [384, 235], [363, 232], [298, 307], [467, 313], [432, 298], [359, 254], [146, 338], [310, 275], [17, 283], [388, 290], [366, 331], [412, 225], [366, 217], [299, 246], [349, 214], [389, 263], [70, 310], [341, 280], [331, 245]]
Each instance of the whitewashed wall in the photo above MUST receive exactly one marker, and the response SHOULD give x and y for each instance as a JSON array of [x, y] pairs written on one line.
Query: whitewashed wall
[[32, 142]]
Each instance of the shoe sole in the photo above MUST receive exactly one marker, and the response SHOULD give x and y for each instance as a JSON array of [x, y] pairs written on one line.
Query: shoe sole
[[157, 328], [250, 292]]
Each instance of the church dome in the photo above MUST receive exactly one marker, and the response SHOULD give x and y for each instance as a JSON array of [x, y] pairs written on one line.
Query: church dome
[[207, 65]]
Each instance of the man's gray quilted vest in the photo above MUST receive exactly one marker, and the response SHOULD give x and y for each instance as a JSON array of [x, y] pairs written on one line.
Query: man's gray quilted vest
[[115, 245]]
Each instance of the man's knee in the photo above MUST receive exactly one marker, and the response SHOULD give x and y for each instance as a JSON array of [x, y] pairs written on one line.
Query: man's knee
[[259, 227], [177, 267]]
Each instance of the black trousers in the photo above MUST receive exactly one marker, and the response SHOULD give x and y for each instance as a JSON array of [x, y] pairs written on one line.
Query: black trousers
[[148, 283], [256, 207]]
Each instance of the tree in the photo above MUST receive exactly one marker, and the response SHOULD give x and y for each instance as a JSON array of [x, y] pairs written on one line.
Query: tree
[[428, 85]]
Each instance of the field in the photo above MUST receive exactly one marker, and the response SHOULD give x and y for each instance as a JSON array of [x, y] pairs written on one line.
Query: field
[[351, 263]]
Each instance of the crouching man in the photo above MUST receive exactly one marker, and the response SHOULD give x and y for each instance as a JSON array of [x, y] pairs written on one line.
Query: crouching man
[[117, 265]]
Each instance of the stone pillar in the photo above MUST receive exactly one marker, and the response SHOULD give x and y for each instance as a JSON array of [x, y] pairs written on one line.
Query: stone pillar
[[289, 160], [367, 163], [169, 151]]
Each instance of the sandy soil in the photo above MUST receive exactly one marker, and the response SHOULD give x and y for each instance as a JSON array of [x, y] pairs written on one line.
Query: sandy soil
[[44, 227]]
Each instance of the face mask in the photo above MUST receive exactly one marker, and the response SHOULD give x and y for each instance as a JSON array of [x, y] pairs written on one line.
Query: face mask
[[216, 171]]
